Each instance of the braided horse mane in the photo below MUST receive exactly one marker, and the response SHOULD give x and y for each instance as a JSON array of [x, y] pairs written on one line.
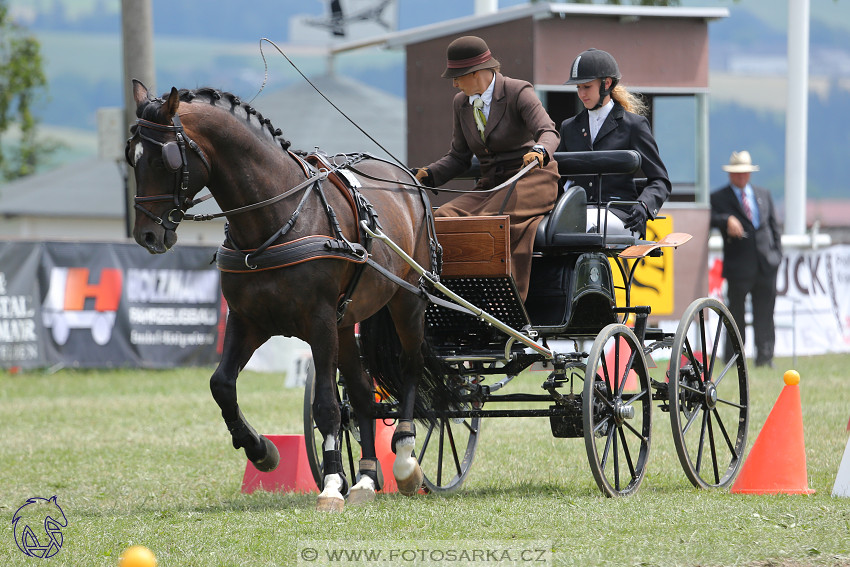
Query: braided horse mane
[[221, 99]]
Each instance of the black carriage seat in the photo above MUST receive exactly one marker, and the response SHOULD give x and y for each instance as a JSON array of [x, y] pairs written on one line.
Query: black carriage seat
[[564, 226]]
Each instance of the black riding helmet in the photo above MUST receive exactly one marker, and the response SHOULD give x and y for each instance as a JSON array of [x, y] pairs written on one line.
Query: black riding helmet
[[595, 64]]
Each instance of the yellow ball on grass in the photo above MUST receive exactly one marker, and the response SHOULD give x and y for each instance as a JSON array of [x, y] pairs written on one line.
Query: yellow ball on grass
[[137, 556]]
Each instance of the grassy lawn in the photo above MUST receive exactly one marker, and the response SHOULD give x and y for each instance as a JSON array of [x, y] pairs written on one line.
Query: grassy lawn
[[143, 457]]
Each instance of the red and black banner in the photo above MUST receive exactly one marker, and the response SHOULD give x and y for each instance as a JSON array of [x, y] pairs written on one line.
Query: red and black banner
[[94, 305]]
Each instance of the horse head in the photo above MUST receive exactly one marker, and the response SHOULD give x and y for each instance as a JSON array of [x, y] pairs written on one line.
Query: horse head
[[170, 168]]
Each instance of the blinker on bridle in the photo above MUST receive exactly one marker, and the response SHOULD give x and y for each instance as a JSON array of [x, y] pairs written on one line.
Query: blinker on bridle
[[174, 157]]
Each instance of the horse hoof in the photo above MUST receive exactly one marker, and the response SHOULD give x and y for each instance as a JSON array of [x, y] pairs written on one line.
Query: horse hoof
[[272, 458], [361, 495], [330, 504], [411, 485]]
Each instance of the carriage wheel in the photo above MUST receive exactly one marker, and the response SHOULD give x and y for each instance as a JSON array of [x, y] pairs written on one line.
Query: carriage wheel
[[709, 399], [617, 411], [349, 433], [445, 449]]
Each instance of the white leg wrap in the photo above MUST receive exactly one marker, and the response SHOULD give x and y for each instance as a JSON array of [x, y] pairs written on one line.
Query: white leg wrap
[[365, 483], [333, 485], [405, 463]]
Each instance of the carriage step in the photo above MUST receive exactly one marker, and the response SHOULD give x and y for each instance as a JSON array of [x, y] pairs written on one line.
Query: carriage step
[[674, 239]]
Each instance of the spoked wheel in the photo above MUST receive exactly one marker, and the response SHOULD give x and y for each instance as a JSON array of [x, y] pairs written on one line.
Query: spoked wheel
[[709, 399], [349, 432], [617, 411], [445, 448]]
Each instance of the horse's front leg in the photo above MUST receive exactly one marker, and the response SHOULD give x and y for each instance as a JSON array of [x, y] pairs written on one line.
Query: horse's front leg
[[326, 414], [370, 478], [240, 342]]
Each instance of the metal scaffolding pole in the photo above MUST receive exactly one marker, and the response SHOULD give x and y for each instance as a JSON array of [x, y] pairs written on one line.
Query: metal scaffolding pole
[[796, 117], [137, 40]]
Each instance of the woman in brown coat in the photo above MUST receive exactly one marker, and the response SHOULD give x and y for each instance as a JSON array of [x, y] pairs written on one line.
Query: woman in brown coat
[[508, 131]]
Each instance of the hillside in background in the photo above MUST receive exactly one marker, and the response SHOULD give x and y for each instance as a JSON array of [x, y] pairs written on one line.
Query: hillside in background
[[211, 42]]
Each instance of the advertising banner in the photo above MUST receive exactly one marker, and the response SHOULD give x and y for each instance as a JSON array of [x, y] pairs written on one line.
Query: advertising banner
[[21, 336], [654, 279], [812, 313], [108, 305]]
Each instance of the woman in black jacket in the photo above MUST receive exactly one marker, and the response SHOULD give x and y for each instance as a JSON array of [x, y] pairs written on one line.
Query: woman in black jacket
[[612, 120]]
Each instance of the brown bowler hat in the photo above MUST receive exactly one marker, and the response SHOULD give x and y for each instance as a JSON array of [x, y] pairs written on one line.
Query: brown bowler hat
[[467, 54]]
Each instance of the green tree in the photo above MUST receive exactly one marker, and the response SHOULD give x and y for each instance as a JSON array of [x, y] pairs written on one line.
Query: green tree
[[21, 81]]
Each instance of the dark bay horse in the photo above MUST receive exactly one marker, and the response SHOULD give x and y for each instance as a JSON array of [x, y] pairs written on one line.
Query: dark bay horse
[[292, 262]]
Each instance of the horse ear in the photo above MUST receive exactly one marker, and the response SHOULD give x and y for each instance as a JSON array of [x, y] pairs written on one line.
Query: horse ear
[[173, 102], [140, 92]]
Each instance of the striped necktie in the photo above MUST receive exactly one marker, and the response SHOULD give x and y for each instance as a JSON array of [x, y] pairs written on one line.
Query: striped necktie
[[480, 119], [745, 203]]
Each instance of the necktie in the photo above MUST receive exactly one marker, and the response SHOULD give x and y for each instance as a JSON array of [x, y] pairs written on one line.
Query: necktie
[[480, 119], [745, 202]]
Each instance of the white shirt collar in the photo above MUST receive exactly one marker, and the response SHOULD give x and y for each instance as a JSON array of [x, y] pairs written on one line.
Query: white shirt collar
[[597, 117], [486, 96]]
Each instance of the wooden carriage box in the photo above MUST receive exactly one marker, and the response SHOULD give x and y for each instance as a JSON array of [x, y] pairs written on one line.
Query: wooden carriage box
[[475, 246]]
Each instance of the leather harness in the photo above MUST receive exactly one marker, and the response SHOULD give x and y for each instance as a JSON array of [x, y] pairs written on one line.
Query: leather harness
[[269, 256]]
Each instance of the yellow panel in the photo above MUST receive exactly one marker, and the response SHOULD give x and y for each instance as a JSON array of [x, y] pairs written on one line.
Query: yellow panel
[[653, 280]]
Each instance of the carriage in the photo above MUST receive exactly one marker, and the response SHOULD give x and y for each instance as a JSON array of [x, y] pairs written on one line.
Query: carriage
[[318, 244], [603, 395]]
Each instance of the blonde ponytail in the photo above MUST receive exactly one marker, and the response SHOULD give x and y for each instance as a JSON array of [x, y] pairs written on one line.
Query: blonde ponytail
[[629, 101]]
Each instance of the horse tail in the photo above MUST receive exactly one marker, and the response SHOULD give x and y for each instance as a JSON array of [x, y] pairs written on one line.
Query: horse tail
[[380, 348]]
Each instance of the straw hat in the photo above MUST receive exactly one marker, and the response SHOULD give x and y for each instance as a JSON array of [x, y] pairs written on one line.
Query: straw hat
[[467, 54], [740, 162]]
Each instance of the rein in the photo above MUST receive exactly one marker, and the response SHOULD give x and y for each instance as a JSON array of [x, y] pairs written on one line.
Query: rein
[[513, 179], [507, 183]]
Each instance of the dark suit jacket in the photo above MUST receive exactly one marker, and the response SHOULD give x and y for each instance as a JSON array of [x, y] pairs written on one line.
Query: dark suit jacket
[[621, 131], [517, 121], [744, 259]]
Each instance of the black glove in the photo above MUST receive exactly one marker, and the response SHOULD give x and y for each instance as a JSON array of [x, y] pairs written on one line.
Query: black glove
[[636, 221], [423, 175]]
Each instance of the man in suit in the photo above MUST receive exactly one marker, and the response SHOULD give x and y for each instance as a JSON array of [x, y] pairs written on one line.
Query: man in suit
[[502, 122], [752, 250]]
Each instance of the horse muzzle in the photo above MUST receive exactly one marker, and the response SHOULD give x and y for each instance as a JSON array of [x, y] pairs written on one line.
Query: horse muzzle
[[156, 239]]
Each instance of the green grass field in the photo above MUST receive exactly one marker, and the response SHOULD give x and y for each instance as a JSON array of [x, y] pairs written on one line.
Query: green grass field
[[143, 457]]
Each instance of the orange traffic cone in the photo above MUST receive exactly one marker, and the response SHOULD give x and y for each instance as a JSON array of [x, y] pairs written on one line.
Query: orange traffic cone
[[291, 475], [777, 462], [632, 377], [384, 452]]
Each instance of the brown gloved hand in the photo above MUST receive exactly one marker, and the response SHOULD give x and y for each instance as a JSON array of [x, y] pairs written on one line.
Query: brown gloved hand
[[531, 156], [423, 176]]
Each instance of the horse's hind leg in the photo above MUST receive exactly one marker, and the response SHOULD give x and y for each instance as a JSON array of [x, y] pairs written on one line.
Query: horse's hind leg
[[325, 346], [410, 326], [370, 477], [240, 342]]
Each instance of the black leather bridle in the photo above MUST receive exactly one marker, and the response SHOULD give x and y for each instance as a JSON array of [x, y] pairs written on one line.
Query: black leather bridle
[[174, 158]]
